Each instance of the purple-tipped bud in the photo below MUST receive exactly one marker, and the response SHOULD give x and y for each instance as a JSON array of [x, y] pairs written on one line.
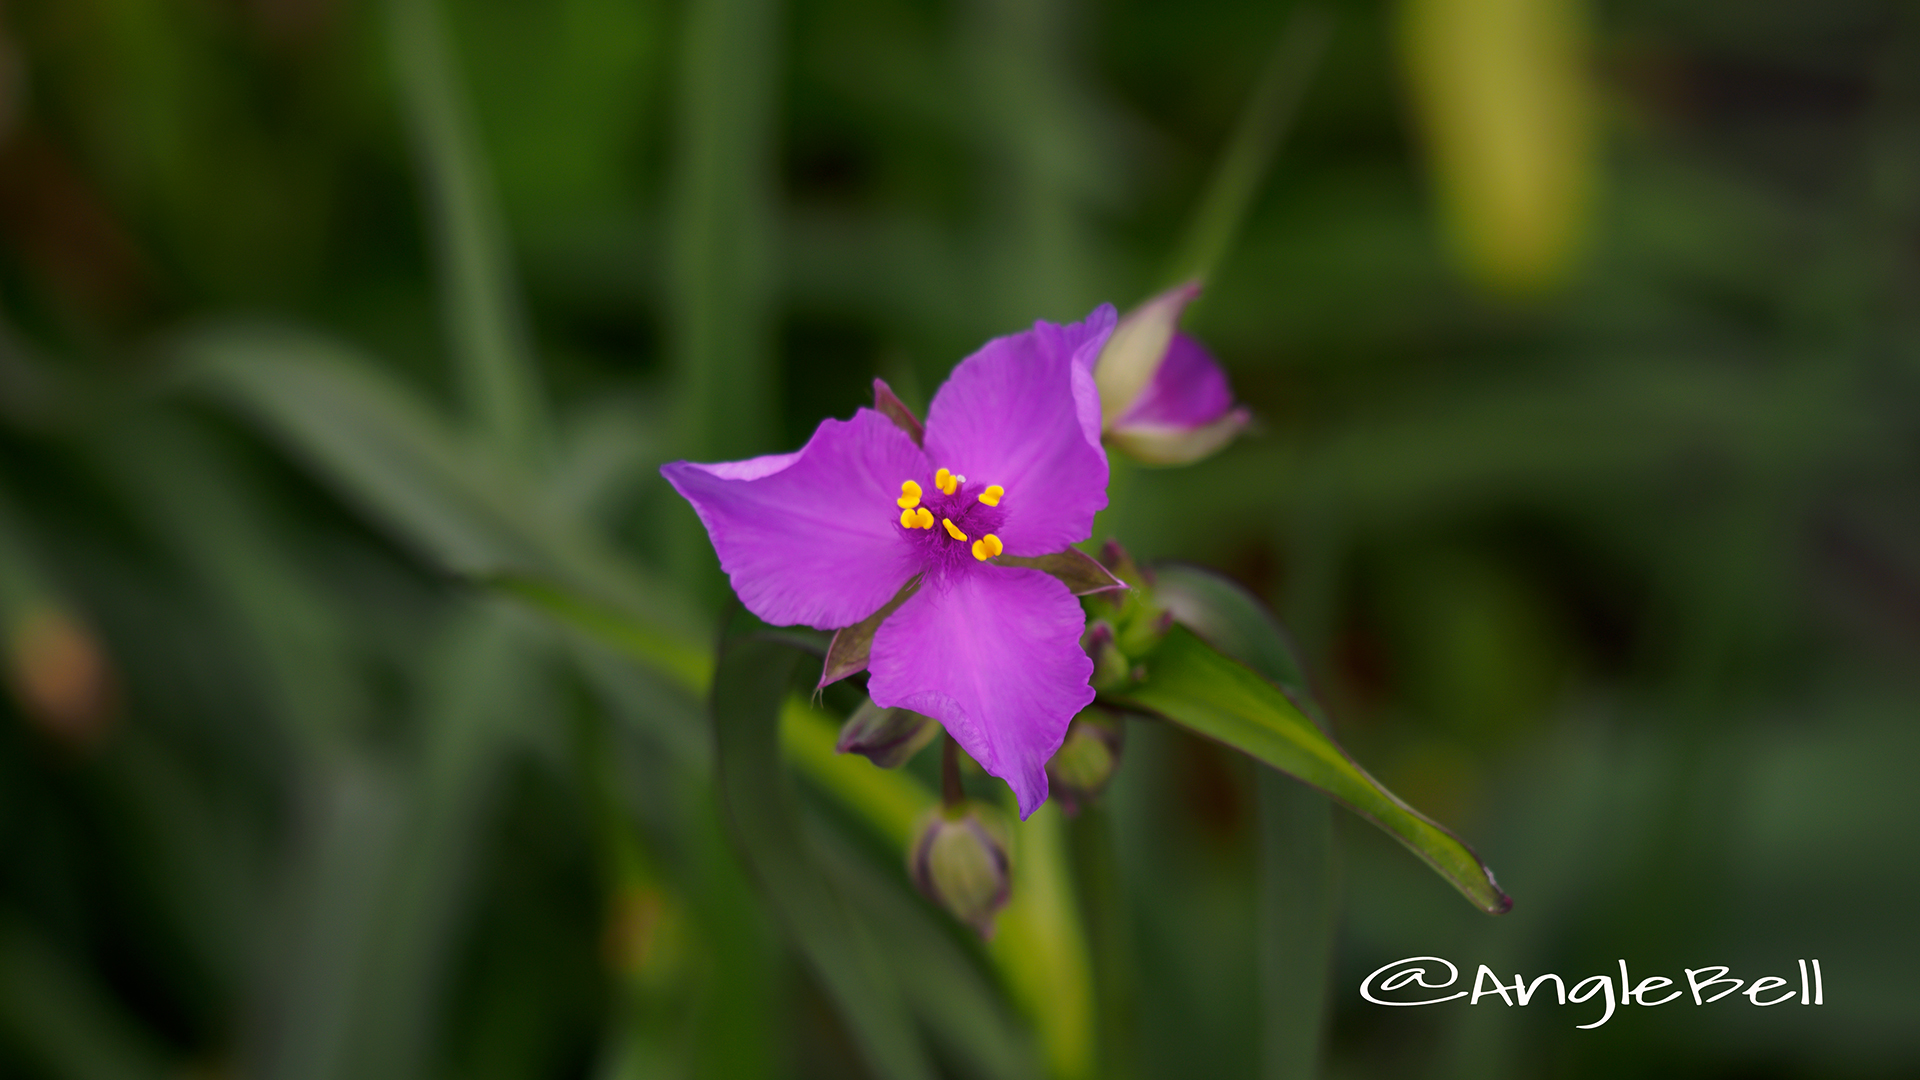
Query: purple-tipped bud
[[1163, 399], [1111, 668], [1087, 759], [1135, 621], [887, 737], [960, 862]]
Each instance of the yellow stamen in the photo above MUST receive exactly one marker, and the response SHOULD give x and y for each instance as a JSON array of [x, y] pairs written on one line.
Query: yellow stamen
[[953, 530], [993, 543], [924, 520], [948, 482], [909, 495], [992, 495], [907, 521]]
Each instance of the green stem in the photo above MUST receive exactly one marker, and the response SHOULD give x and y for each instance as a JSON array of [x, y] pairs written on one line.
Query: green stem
[[952, 794], [1296, 924], [1263, 126]]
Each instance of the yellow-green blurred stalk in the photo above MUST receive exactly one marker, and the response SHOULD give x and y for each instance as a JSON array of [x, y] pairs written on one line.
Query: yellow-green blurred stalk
[[1502, 91]]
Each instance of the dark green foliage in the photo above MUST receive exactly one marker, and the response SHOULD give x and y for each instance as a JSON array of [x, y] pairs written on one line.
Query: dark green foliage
[[340, 343]]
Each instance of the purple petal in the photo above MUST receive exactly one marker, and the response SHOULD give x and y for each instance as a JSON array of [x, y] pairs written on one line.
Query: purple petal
[[1188, 391], [1136, 349], [811, 537], [994, 656], [1023, 413]]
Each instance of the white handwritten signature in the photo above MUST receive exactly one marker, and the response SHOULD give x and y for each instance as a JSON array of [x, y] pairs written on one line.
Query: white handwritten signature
[[1411, 975]]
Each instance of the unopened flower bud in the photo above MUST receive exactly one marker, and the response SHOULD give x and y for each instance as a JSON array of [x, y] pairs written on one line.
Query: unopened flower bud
[[887, 737], [1163, 399], [1137, 619], [1087, 758], [1111, 669], [960, 862]]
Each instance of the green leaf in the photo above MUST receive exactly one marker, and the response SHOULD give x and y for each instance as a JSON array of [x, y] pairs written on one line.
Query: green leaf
[[380, 898], [688, 665], [497, 373], [1236, 623], [1297, 890], [1196, 686], [55, 1014], [956, 1002], [1041, 947], [377, 443], [750, 689], [458, 504], [723, 265]]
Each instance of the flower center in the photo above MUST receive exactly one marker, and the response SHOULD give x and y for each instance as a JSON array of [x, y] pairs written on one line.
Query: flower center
[[966, 516]]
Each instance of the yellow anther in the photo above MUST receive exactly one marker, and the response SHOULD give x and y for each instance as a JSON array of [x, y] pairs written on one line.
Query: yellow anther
[[907, 521], [992, 495], [987, 547], [909, 495], [924, 520], [953, 530], [948, 482]]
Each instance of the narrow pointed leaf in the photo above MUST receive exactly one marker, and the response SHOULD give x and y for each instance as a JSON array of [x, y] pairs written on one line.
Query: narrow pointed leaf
[[1076, 569], [379, 445], [721, 224], [851, 646], [686, 664], [483, 318], [1194, 685], [1236, 623], [891, 407], [1294, 942], [750, 689]]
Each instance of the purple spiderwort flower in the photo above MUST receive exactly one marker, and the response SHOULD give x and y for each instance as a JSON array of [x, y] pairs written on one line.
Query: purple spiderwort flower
[[1011, 463], [1164, 400]]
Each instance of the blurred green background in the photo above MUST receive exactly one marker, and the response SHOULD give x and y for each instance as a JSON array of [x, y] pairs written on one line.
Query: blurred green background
[[1585, 346]]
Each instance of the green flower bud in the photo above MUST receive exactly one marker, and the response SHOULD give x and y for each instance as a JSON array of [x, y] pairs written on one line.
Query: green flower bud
[[1087, 758], [960, 862], [886, 737], [1136, 620], [1111, 671]]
